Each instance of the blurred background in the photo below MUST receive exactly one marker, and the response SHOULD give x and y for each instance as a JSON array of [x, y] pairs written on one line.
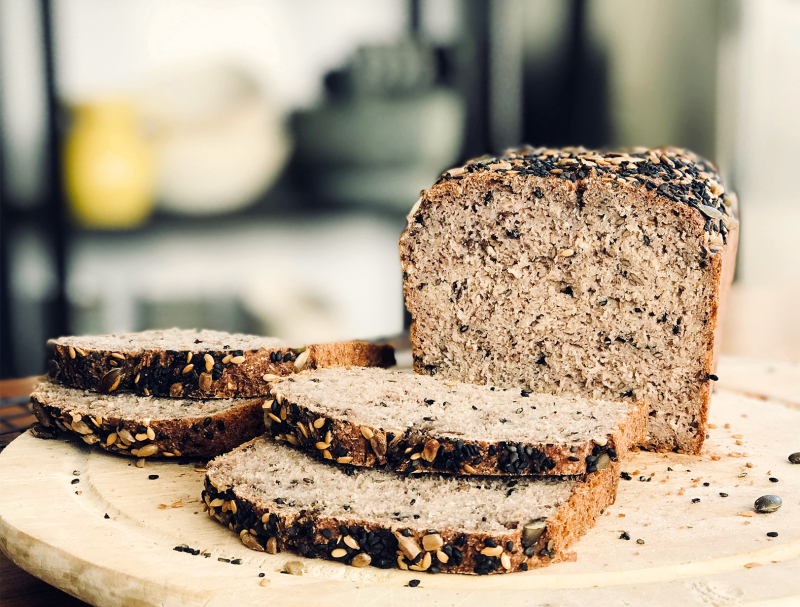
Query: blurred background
[[247, 165]]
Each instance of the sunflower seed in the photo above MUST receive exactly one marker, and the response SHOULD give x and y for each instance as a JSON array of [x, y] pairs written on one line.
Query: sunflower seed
[[768, 503], [430, 450], [301, 361], [204, 381], [432, 541], [148, 450]]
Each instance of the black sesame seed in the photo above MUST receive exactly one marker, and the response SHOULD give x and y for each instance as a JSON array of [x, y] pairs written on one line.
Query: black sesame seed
[[723, 495], [153, 477], [415, 583], [262, 574], [75, 481], [490, 543], [772, 479], [625, 536], [695, 500], [207, 422], [236, 561], [106, 516], [772, 534]]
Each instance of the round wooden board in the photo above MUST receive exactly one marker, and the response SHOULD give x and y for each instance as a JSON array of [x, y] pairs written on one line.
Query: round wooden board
[[693, 553]]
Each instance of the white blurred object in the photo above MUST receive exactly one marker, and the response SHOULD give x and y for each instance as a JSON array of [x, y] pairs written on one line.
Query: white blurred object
[[219, 141]]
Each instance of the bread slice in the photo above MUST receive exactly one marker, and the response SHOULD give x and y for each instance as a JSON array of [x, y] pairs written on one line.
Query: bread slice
[[195, 364], [275, 498], [404, 422], [576, 272], [146, 426]]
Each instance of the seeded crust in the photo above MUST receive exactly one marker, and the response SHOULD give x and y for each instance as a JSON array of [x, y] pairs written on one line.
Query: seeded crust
[[246, 490], [141, 426], [195, 364], [549, 237], [402, 422]]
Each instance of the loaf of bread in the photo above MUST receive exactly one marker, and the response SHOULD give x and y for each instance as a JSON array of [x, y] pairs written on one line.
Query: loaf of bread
[[146, 426], [404, 422], [276, 498], [598, 274], [195, 364]]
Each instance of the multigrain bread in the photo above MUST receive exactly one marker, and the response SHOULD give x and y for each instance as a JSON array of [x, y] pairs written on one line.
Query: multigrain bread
[[195, 364], [404, 422], [576, 272], [275, 498], [146, 426]]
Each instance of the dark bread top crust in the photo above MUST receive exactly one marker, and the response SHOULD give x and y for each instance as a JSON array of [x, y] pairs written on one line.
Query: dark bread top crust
[[459, 438], [225, 426], [673, 174], [175, 369], [258, 511]]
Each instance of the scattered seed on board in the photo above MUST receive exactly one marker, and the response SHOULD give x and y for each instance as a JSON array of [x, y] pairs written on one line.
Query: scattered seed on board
[[768, 503], [794, 458], [413, 583], [772, 534]]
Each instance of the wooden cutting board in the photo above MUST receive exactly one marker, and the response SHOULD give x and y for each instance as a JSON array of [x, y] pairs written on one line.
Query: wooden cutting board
[[701, 553]]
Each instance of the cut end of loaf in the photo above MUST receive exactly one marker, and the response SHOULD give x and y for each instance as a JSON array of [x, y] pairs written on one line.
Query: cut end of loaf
[[573, 272]]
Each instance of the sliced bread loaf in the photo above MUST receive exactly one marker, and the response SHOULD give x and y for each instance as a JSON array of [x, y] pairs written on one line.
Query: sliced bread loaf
[[404, 422], [276, 498], [143, 426], [195, 364], [576, 272]]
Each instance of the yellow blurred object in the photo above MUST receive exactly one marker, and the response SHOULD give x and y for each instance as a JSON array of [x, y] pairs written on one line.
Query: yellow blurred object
[[109, 169]]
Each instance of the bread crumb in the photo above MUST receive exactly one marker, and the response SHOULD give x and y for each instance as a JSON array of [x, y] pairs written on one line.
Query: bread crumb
[[728, 426], [162, 506], [751, 565], [747, 514], [712, 426]]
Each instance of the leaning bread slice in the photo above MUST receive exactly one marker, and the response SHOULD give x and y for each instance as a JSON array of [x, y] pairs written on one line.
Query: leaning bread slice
[[145, 426], [195, 364], [276, 498], [405, 422]]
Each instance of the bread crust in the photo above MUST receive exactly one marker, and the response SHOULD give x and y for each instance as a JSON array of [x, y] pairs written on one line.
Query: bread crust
[[203, 437], [411, 449], [204, 374], [704, 227], [263, 525]]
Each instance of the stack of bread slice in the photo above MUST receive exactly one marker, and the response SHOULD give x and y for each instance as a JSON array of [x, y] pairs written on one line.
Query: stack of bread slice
[[174, 393], [390, 469]]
